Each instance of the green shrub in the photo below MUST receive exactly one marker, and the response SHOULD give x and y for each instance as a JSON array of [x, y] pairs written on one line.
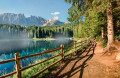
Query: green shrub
[[116, 37], [104, 44], [98, 38]]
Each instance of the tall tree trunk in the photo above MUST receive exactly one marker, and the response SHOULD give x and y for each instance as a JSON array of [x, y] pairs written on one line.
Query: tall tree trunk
[[102, 32], [110, 30]]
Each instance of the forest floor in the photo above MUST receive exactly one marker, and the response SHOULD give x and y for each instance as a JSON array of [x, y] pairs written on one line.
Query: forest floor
[[89, 63]]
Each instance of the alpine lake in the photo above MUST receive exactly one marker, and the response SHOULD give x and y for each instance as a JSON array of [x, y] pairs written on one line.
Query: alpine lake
[[8, 48]]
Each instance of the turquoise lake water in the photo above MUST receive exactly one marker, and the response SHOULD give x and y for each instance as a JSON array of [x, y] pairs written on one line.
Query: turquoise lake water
[[25, 47]]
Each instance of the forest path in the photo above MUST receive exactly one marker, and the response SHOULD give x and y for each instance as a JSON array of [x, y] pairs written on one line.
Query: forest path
[[90, 63]]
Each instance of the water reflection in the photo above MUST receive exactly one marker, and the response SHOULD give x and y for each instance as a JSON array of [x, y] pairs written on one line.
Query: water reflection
[[25, 47]]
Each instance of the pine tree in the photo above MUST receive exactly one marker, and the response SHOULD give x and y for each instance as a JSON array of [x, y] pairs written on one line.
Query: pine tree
[[110, 29]]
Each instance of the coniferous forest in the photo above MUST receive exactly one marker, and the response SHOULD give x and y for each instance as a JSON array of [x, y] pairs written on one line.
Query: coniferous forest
[[93, 12], [95, 19], [17, 31]]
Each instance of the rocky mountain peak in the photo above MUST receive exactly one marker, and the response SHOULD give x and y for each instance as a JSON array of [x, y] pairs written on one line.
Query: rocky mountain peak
[[20, 19]]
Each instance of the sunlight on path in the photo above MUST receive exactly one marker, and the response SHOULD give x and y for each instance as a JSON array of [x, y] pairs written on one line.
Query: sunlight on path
[[88, 65]]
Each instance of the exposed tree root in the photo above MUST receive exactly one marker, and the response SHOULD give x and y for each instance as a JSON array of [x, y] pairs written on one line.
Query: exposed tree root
[[110, 49]]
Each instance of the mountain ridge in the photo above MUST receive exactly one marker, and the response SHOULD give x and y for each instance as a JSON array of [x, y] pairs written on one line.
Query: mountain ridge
[[21, 19]]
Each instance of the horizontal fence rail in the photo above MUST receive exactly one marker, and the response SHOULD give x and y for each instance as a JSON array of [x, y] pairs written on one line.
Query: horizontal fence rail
[[17, 58], [38, 54], [38, 63], [7, 61]]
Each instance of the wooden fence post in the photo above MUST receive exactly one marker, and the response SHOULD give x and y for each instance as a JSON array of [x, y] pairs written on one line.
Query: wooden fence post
[[18, 65], [62, 52], [75, 48]]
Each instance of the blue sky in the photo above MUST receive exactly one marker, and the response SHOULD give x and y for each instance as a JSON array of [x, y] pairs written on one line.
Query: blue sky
[[45, 8]]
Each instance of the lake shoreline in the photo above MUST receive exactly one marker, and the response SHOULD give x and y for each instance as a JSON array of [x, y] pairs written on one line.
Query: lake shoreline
[[44, 39], [37, 39], [51, 38]]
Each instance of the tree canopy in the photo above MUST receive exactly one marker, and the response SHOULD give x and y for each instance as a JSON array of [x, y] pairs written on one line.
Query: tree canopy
[[93, 12]]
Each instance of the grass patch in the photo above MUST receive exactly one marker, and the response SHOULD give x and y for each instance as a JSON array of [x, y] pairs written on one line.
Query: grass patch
[[98, 38], [33, 70], [76, 39]]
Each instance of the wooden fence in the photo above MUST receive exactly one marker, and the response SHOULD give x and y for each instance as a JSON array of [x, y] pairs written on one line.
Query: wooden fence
[[19, 68]]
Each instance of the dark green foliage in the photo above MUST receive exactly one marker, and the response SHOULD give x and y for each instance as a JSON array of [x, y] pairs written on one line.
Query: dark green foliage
[[94, 14], [117, 37], [99, 38], [78, 9], [65, 30], [104, 44], [95, 17], [16, 31]]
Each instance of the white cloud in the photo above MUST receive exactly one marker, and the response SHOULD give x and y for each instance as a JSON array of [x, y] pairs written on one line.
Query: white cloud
[[55, 13]]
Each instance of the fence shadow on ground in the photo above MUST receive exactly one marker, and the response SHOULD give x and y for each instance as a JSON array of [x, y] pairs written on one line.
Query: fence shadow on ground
[[77, 58]]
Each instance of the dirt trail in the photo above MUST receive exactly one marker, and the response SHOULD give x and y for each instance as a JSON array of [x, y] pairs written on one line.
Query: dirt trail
[[88, 64]]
